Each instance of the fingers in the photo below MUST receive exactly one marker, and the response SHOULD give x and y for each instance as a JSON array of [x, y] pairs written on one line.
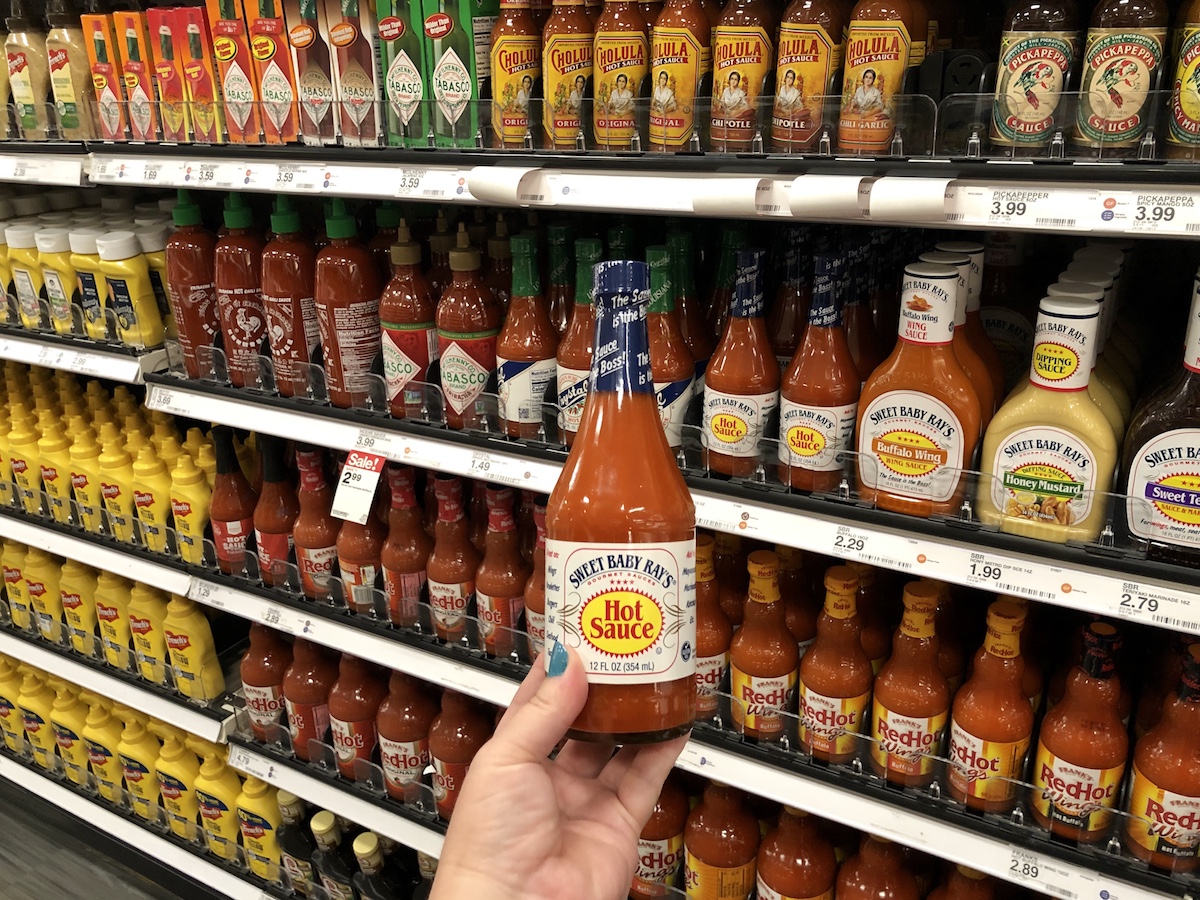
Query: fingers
[[643, 770], [540, 713], [584, 759]]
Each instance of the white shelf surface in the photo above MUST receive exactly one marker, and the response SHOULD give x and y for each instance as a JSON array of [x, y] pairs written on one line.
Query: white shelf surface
[[173, 712], [126, 831], [321, 793], [948, 558], [44, 168], [92, 361]]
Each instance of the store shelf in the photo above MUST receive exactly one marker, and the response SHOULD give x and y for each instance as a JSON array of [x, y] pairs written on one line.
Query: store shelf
[[207, 874], [326, 794], [45, 164], [211, 725], [72, 356], [1118, 587]]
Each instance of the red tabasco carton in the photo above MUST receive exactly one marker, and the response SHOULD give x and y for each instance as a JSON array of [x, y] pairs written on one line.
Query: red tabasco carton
[[137, 71], [168, 73], [106, 76], [231, 46], [200, 77], [274, 72], [356, 64]]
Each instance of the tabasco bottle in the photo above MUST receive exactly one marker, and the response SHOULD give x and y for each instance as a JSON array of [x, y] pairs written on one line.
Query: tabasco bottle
[[1164, 800], [919, 414], [713, 631], [876, 872], [811, 39], [275, 513], [720, 845], [501, 576], [1082, 745], [743, 60], [741, 387], [525, 350], [452, 563], [621, 55], [912, 696], [681, 63], [315, 530], [991, 721], [660, 845], [567, 46], [671, 363], [795, 860], [621, 499], [516, 66], [468, 323], [560, 288], [535, 587], [406, 550], [835, 675], [406, 310], [232, 509], [819, 394], [763, 656], [574, 357], [692, 325]]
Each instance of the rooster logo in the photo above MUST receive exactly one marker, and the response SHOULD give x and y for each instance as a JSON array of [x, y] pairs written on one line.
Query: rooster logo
[[249, 323]]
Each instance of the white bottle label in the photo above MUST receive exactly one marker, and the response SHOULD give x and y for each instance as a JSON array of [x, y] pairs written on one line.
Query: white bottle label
[[629, 610], [673, 400], [927, 308], [463, 379], [1164, 489], [916, 444], [1045, 475], [452, 85], [404, 86], [497, 612], [811, 437], [733, 423], [658, 863], [522, 388], [572, 391]]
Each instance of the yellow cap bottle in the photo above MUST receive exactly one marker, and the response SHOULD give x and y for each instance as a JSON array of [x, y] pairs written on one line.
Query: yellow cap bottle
[[131, 296], [67, 718], [116, 488], [77, 588], [191, 496], [10, 711], [152, 498], [112, 602], [147, 609], [153, 241], [170, 450], [177, 771], [192, 651], [102, 735], [217, 789], [194, 441], [42, 573], [138, 752], [54, 457], [13, 559], [27, 472], [35, 701], [258, 814], [160, 430], [84, 458]]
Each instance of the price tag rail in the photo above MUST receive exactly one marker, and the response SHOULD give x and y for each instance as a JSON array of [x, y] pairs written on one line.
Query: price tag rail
[[83, 358]]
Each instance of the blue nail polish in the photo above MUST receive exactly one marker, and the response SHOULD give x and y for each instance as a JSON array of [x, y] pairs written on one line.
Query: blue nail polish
[[558, 659]]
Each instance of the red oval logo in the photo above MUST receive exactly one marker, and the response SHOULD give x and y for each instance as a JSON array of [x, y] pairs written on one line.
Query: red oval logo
[[391, 28], [438, 25]]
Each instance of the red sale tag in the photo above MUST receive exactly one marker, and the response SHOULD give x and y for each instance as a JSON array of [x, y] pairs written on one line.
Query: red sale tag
[[356, 486]]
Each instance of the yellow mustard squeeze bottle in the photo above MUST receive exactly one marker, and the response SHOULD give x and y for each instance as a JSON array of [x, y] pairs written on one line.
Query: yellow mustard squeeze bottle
[[153, 241], [84, 459], [130, 294], [112, 601], [26, 273], [13, 560], [152, 498], [259, 817], [192, 651], [42, 572], [54, 463], [191, 496], [146, 610], [102, 735], [217, 789], [116, 489], [138, 752], [27, 472], [177, 768], [7, 496], [58, 277], [67, 717], [35, 701], [77, 592], [93, 289], [6, 279], [11, 725]]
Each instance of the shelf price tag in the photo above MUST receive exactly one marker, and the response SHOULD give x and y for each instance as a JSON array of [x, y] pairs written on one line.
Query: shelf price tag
[[1151, 212], [250, 763], [499, 469], [209, 594], [371, 440], [258, 176], [200, 174], [1156, 607], [298, 179], [356, 486], [1050, 876], [277, 618], [161, 398], [1035, 207], [27, 169]]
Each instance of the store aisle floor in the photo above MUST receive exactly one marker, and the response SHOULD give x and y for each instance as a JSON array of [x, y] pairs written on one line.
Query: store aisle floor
[[40, 858]]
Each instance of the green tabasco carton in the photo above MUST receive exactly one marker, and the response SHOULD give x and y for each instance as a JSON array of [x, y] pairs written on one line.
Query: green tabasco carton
[[402, 52], [458, 36]]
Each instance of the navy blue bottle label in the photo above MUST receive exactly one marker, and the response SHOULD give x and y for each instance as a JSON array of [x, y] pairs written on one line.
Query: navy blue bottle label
[[622, 357]]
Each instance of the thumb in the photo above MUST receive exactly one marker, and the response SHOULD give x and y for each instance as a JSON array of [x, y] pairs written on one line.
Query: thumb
[[544, 708]]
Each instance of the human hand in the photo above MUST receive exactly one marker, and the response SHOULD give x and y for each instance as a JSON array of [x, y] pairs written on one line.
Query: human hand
[[528, 828]]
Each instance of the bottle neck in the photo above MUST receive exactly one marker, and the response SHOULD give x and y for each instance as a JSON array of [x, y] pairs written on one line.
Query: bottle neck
[[560, 261], [525, 278], [621, 362]]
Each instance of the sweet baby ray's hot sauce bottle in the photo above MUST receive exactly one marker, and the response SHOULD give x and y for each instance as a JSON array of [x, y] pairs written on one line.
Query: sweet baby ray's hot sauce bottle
[[720, 846], [620, 549], [835, 675], [991, 721], [713, 631], [919, 415], [763, 656]]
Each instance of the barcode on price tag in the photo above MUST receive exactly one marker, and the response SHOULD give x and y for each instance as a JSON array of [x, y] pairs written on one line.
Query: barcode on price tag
[[356, 486]]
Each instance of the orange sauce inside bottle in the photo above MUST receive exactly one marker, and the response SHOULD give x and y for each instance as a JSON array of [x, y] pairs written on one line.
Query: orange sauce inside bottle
[[500, 579], [713, 631], [795, 860], [452, 563]]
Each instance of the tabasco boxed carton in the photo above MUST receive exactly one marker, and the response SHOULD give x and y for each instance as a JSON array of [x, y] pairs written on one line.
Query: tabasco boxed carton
[[402, 51], [458, 36], [231, 47], [200, 77], [275, 76], [353, 38], [312, 62], [106, 75], [168, 73], [137, 71]]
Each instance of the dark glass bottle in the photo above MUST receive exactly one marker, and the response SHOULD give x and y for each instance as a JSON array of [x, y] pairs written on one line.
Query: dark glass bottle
[[296, 845], [373, 881], [333, 860]]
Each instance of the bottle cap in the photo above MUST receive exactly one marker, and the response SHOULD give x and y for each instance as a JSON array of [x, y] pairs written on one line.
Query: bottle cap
[[387, 214], [30, 205], [186, 212], [116, 203], [285, 219], [83, 240], [620, 277], [973, 874], [406, 251], [1101, 642], [922, 597], [498, 244], [1005, 617], [53, 240], [339, 223], [464, 257], [64, 198], [841, 580], [153, 238], [54, 218], [21, 237], [442, 240], [864, 571], [1076, 289], [118, 245], [237, 213], [762, 564], [146, 209]]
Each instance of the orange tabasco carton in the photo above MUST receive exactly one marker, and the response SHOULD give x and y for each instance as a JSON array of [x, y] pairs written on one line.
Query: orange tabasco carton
[[200, 77], [165, 31], [137, 71], [106, 75], [274, 72], [231, 46]]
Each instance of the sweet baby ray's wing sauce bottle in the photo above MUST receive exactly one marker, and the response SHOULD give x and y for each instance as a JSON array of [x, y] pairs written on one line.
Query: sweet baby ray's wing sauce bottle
[[729, 561], [795, 861], [306, 686], [237, 274], [403, 723], [720, 845], [976, 335], [713, 631], [315, 530], [468, 323], [288, 269], [525, 349], [912, 697], [741, 387], [835, 675], [501, 576], [763, 656], [232, 509], [1083, 745], [919, 415], [406, 550], [574, 356], [353, 703], [660, 845], [275, 513], [671, 363], [819, 393], [406, 311], [453, 562], [621, 515], [262, 671], [535, 587], [456, 735], [991, 721]]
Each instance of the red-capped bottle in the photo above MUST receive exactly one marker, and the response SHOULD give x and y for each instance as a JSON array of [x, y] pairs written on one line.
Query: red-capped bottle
[[275, 513], [406, 550], [403, 724], [407, 311], [535, 587], [353, 705], [315, 530], [262, 670], [452, 563], [306, 686], [501, 576], [232, 507]]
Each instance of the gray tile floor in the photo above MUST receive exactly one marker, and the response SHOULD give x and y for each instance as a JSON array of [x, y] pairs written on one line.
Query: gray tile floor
[[40, 859]]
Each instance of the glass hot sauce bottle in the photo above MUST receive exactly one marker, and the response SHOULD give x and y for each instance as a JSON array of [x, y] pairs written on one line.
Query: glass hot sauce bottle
[[501, 576], [452, 563], [713, 631], [406, 550], [763, 656]]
